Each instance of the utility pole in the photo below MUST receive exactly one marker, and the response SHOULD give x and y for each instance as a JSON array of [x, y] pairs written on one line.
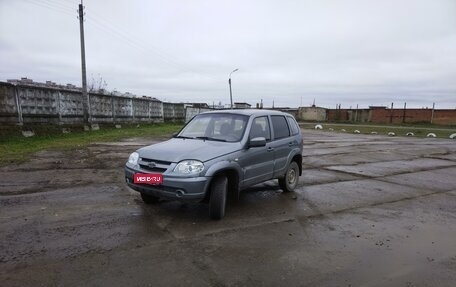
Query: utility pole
[[231, 94], [391, 113], [85, 95]]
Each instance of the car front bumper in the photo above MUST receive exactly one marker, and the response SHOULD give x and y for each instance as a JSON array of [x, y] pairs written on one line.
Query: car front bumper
[[188, 189]]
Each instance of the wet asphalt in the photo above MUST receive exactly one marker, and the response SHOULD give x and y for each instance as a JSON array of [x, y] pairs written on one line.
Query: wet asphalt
[[369, 211]]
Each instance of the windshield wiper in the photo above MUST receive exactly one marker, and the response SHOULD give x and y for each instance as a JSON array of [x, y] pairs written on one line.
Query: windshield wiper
[[183, 137], [211, 139]]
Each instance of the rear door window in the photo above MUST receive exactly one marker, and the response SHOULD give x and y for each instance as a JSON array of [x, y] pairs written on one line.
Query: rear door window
[[293, 126], [280, 126]]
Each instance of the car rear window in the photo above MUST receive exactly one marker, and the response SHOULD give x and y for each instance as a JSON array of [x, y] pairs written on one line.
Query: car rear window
[[293, 126], [280, 126]]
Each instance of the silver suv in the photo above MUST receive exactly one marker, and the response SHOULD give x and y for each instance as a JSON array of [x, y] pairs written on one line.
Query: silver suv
[[217, 154]]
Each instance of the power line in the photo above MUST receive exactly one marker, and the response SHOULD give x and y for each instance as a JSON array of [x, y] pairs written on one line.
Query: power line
[[71, 2], [58, 4], [149, 48], [47, 6], [113, 33], [105, 25], [126, 36]]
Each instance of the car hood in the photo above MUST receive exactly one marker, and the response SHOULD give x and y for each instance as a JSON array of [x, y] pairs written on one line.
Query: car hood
[[177, 149]]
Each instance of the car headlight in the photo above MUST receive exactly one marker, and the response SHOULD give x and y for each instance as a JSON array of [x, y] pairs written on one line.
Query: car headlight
[[133, 159], [189, 167]]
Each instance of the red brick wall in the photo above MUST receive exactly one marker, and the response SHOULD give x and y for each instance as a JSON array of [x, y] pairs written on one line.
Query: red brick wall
[[418, 116], [396, 116], [380, 116], [337, 115], [444, 117]]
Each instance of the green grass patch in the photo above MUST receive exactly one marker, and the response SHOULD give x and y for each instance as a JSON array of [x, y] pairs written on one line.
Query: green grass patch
[[18, 148], [418, 130]]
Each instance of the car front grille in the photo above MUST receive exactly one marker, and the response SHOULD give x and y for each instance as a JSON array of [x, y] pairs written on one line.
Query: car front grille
[[153, 165]]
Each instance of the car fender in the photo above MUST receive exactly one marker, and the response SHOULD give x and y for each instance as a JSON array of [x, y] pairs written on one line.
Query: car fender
[[224, 165], [292, 154], [232, 167]]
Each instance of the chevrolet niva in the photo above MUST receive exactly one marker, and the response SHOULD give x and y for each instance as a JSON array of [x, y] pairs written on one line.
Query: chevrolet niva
[[217, 154]]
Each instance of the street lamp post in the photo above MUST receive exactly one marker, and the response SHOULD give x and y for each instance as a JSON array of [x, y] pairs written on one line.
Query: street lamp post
[[231, 93]]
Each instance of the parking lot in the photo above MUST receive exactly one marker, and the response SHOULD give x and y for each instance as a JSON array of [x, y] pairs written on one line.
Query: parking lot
[[370, 210]]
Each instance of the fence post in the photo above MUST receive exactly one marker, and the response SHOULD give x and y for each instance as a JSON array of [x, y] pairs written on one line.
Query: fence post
[[89, 109], [132, 110], [162, 112], [59, 106], [432, 114], [403, 116], [356, 114], [18, 107], [113, 112]]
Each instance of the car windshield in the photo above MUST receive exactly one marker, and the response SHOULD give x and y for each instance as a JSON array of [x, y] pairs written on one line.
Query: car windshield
[[216, 127]]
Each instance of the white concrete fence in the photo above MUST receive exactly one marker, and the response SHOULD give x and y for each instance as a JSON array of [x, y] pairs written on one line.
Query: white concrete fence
[[23, 104]]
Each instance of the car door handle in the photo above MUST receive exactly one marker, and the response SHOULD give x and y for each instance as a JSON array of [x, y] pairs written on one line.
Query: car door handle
[[270, 148]]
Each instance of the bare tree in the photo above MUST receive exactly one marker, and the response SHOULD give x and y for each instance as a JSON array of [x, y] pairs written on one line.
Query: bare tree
[[97, 85]]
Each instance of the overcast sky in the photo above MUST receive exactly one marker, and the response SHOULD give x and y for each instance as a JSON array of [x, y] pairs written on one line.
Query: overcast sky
[[362, 52]]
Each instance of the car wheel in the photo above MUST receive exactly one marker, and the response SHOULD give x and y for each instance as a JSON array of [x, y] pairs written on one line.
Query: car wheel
[[290, 181], [149, 199], [217, 202]]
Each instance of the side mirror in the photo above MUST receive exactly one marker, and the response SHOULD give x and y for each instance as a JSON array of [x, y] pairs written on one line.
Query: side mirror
[[174, 135], [257, 142]]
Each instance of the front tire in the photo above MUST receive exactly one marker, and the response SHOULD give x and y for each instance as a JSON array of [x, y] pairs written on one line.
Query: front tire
[[217, 202], [149, 199], [290, 181]]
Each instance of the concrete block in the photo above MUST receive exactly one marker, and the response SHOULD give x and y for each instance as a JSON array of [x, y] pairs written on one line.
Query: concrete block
[[441, 180], [338, 196], [95, 127], [28, 134], [118, 126], [320, 176], [378, 169]]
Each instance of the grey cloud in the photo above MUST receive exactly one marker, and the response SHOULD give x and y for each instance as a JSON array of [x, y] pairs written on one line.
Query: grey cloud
[[349, 52]]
